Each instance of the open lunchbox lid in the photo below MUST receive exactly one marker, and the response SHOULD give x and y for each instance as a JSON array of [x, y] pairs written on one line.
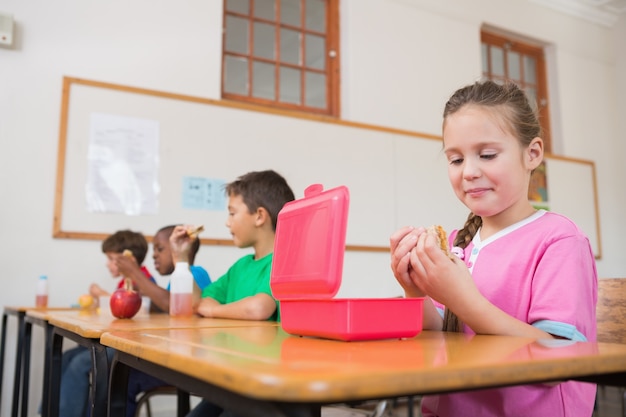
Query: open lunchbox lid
[[310, 243]]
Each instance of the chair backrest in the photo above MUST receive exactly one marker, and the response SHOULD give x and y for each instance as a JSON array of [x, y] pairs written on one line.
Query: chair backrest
[[183, 405], [611, 310]]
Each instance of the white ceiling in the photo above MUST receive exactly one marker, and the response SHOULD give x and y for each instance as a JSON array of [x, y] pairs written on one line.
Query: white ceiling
[[603, 12]]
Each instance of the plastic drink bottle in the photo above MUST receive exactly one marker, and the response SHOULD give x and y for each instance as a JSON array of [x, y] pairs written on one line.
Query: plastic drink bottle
[[41, 299], [181, 291]]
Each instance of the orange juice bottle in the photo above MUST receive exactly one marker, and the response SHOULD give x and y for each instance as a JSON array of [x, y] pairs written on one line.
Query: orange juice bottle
[[181, 291], [41, 299]]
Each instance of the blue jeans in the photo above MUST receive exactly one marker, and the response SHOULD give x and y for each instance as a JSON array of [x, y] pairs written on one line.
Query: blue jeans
[[75, 375]]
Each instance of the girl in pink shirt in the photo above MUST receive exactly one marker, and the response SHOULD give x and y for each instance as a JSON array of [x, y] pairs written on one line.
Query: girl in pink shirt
[[518, 271]]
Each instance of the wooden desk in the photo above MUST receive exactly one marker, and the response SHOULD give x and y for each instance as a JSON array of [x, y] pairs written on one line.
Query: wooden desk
[[90, 324], [86, 326], [263, 371], [37, 316], [22, 355], [19, 313]]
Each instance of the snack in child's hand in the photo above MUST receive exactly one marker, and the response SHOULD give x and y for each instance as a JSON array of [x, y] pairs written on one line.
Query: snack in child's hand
[[127, 253], [442, 238], [194, 232]]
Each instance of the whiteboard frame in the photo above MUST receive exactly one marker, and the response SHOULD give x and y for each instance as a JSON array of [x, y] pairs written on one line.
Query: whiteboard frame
[[58, 230]]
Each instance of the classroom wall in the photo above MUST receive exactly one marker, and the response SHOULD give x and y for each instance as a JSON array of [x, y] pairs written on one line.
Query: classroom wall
[[400, 60]]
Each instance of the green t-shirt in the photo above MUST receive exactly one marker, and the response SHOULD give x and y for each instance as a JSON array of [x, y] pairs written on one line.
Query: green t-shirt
[[245, 278]]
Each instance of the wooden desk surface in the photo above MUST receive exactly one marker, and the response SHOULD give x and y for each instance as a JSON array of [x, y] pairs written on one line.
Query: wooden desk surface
[[44, 313], [90, 324], [267, 364], [24, 309]]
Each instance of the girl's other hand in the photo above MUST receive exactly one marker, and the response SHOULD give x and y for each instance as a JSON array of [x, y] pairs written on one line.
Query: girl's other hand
[[402, 242]]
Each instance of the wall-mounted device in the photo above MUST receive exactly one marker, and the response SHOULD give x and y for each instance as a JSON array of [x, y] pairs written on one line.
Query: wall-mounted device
[[6, 29]]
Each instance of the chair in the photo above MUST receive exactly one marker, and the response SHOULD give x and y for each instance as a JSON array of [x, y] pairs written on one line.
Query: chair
[[182, 404], [611, 317]]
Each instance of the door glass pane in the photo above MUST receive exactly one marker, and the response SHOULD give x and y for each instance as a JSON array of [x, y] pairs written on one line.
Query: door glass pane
[[290, 85], [485, 57], [315, 15], [497, 61], [236, 35], [290, 46], [315, 90], [290, 12], [265, 9], [238, 6], [263, 76], [236, 75], [315, 52], [264, 40], [530, 70], [514, 66]]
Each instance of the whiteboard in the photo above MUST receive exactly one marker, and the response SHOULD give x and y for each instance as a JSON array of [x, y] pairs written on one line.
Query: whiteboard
[[395, 177]]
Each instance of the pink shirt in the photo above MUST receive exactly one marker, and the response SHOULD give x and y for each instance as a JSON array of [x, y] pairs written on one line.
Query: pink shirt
[[541, 271]]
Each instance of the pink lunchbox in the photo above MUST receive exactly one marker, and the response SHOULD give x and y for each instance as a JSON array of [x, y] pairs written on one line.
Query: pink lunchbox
[[306, 274]]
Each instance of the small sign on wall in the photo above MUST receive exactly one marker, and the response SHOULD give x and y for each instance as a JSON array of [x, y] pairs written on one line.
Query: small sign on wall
[[203, 194]]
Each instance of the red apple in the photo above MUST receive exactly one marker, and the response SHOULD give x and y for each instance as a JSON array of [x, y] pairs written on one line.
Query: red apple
[[125, 302]]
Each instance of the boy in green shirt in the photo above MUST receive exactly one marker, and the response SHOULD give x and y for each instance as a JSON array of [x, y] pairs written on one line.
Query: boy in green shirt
[[243, 292]]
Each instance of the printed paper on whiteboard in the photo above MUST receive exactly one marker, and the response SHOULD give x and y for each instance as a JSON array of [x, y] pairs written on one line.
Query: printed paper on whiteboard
[[123, 159]]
